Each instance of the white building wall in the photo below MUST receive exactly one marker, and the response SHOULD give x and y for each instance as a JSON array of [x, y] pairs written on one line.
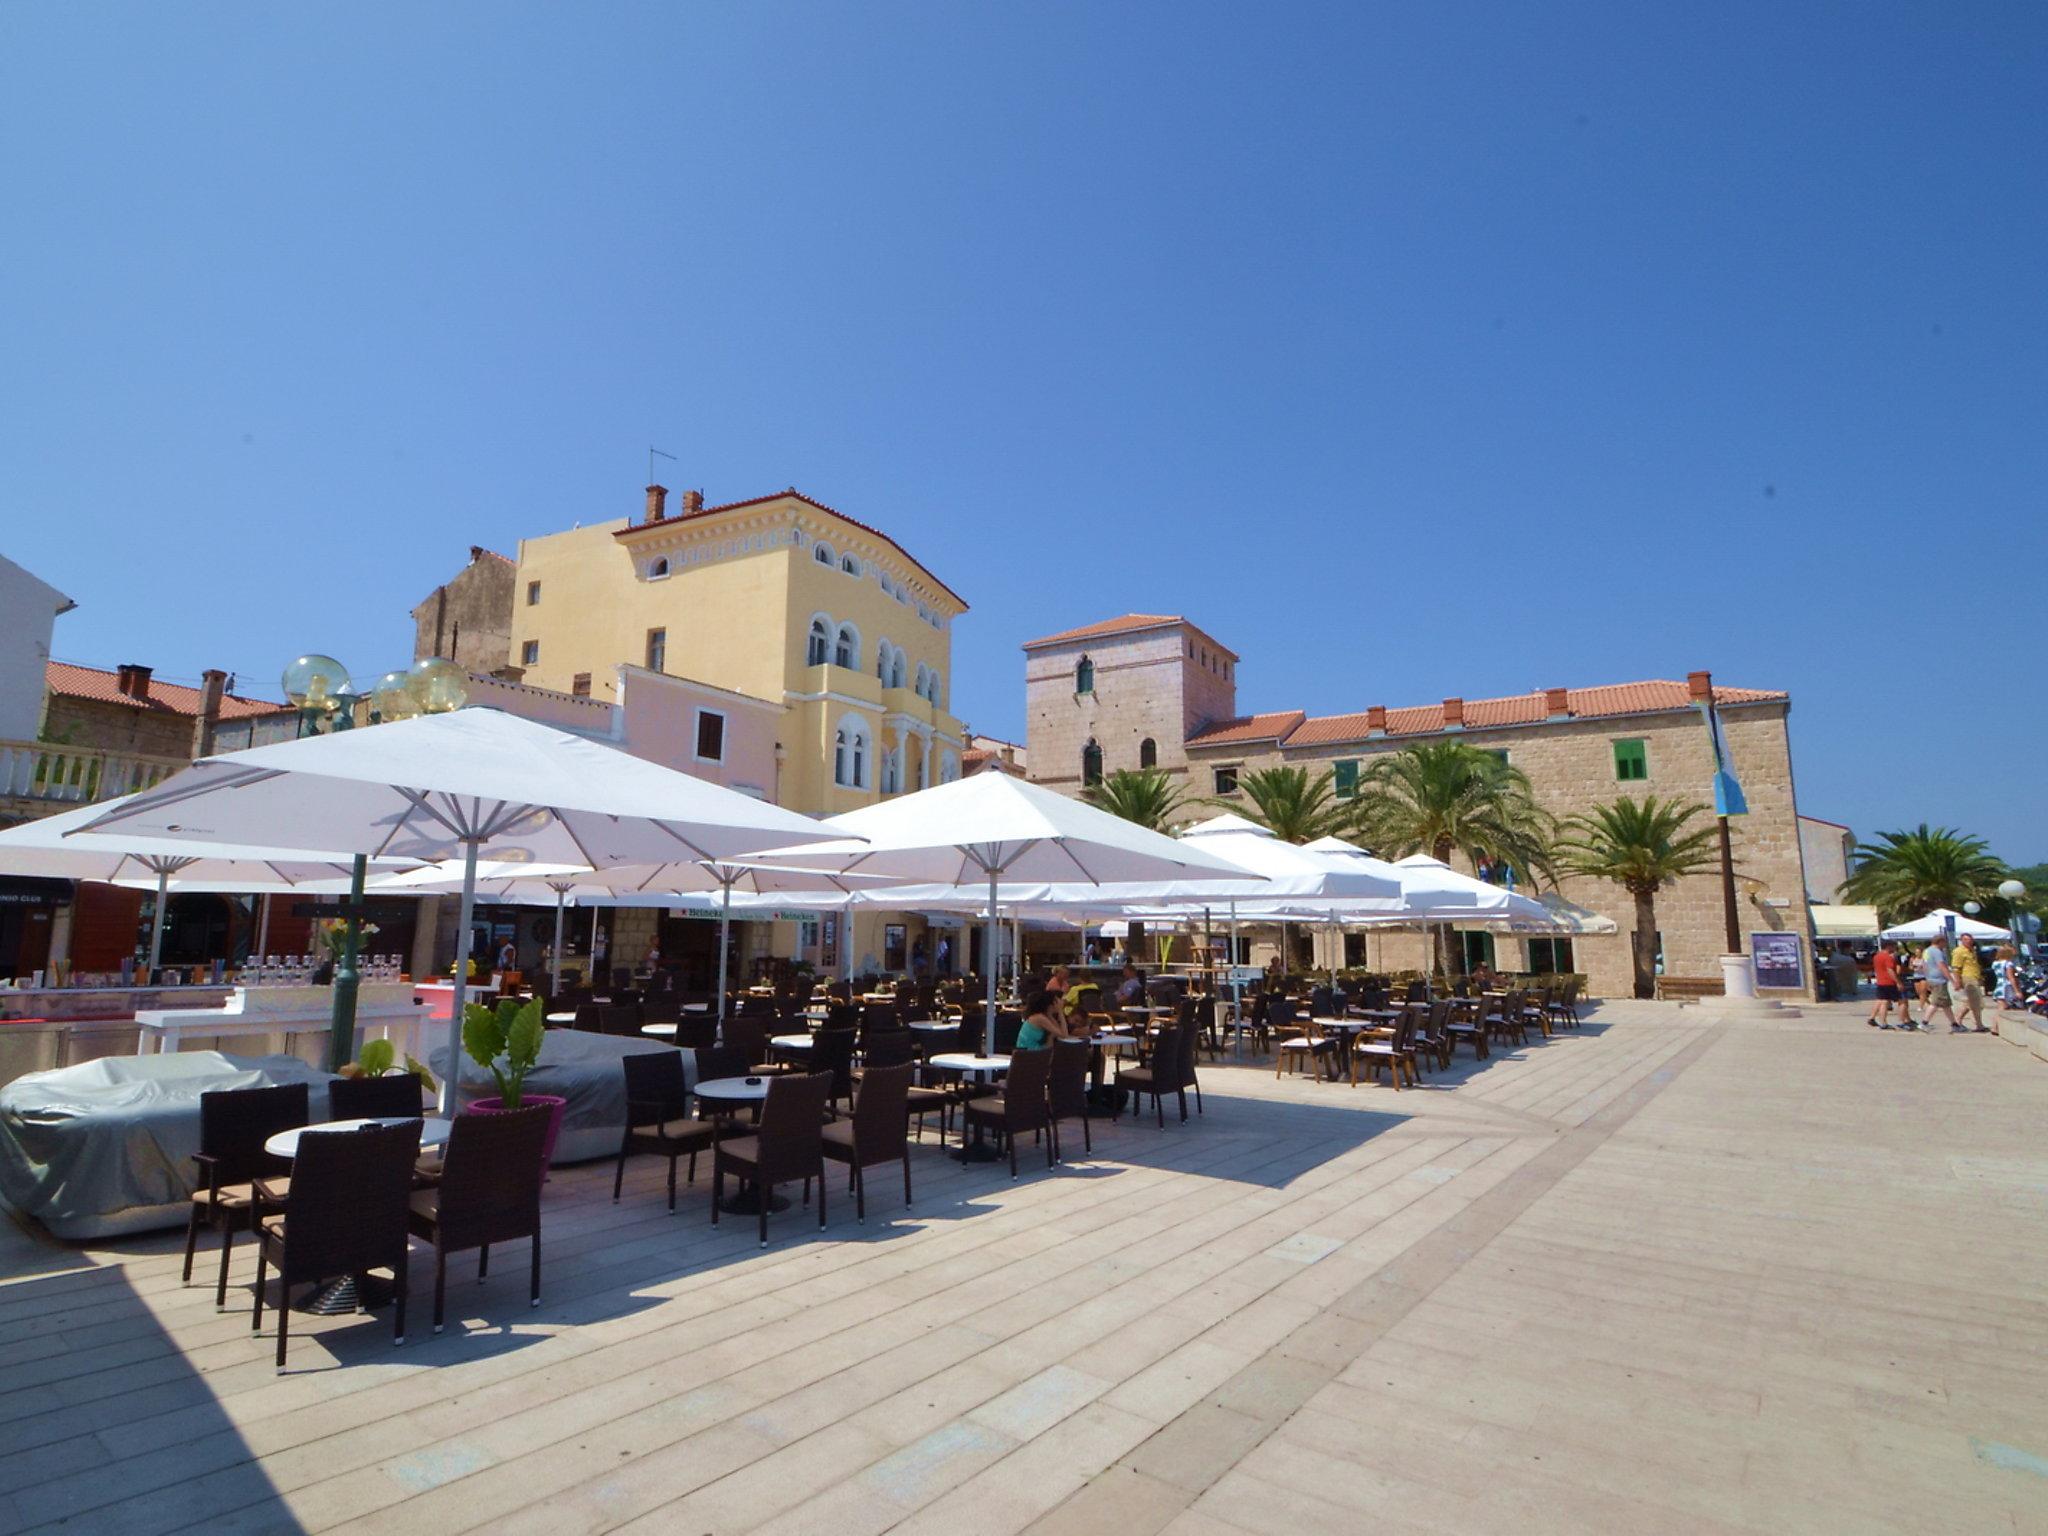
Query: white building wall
[[28, 615]]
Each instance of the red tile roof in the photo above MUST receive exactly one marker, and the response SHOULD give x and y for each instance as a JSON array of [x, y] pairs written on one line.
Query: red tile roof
[[1607, 699], [1129, 623], [70, 681], [793, 494], [1279, 726]]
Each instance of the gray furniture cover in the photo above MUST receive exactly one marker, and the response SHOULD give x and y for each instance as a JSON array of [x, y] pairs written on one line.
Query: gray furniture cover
[[105, 1147], [582, 1067]]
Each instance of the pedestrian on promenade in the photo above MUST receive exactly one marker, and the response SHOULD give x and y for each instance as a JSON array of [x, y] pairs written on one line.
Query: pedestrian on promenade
[[1935, 978], [1884, 969], [2007, 966], [1968, 966]]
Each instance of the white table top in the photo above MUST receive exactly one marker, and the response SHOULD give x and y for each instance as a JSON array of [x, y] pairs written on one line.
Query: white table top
[[433, 1132], [696, 1008], [664, 1030], [1107, 1038], [449, 986], [935, 1026], [791, 1042], [561, 1018], [960, 1061], [738, 1088]]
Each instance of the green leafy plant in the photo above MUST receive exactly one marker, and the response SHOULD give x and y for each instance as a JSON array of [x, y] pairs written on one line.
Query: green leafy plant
[[376, 1058], [1908, 874], [1642, 846], [1293, 804], [1148, 796], [510, 1034]]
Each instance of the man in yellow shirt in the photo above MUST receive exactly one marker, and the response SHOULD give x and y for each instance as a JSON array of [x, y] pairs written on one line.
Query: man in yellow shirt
[[1968, 967]]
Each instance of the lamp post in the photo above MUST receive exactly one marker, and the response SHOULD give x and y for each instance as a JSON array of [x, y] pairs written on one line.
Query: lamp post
[[320, 688], [2020, 924]]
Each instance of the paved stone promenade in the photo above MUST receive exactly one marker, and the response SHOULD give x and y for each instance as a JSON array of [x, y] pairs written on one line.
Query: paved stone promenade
[[1663, 1275]]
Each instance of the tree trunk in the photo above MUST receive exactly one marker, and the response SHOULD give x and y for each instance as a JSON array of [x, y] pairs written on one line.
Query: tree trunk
[[1450, 956], [1645, 946]]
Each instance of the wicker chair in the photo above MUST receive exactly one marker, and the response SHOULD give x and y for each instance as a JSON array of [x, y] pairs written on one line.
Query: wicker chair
[[1020, 1105], [374, 1098], [489, 1192], [346, 1215], [789, 1145], [657, 1118], [1310, 1048], [877, 1132], [832, 1054], [1067, 1091], [900, 1049], [1166, 1072], [1396, 1054], [233, 1125]]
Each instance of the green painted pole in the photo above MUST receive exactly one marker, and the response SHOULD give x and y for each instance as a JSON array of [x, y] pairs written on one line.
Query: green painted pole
[[341, 1033]]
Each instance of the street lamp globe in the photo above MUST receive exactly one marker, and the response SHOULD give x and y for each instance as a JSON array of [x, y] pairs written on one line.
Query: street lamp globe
[[439, 685], [2011, 890], [393, 698], [1972, 908], [315, 684]]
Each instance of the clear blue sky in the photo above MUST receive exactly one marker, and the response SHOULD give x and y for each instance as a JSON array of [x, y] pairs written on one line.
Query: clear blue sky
[[1413, 350]]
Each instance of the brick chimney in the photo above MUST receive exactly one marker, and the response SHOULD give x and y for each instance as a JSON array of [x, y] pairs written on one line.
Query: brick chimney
[[657, 498], [212, 684], [1454, 714], [1557, 703], [133, 680], [693, 501], [1699, 686], [1376, 720]]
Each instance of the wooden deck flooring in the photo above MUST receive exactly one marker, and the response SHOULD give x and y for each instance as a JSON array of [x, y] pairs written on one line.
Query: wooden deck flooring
[[1187, 1330]]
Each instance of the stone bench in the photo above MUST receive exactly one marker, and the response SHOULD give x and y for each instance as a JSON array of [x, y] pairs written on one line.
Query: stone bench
[[1687, 989]]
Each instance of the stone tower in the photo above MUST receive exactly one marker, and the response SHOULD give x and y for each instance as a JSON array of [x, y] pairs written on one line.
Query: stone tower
[[1123, 693]]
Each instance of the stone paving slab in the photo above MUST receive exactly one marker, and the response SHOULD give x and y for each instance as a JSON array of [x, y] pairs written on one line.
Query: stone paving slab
[[1667, 1273]]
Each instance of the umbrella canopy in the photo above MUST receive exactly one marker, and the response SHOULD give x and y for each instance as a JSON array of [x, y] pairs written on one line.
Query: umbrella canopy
[[1935, 926], [467, 783], [56, 846], [998, 831]]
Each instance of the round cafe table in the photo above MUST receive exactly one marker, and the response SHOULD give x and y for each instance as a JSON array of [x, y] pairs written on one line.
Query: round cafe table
[[968, 1065], [658, 1028], [790, 1042], [561, 1018], [343, 1295], [735, 1093]]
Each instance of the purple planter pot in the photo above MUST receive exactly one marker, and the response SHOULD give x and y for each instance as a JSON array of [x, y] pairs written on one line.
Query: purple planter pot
[[548, 1101]]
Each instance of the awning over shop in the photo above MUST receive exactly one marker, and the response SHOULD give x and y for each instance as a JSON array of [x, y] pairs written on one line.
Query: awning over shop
[[1832, 922]]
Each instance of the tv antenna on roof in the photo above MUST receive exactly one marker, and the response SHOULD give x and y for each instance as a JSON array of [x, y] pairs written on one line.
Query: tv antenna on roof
[[652, 454]]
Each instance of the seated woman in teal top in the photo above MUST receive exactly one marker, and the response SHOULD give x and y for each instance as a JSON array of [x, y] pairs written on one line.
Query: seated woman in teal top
[[1043, 1023]]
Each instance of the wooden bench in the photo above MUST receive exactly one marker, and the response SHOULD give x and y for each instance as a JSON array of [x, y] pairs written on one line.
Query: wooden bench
[[1687, 989]]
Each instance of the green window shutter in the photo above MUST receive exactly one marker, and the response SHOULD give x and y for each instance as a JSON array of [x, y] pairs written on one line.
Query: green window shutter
[[1631, 761], [1347, 778]]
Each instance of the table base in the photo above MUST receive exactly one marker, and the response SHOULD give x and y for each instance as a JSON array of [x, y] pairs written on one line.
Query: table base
[[338, 1298], [748, 1203], [979, 1151]]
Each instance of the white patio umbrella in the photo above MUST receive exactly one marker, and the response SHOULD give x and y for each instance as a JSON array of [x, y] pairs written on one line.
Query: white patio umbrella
[[1935, 926], [1001, 830], [57, 847], [464, 784]]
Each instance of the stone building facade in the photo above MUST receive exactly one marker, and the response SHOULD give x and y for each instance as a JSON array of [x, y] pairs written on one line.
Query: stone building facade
[[1156, 690], [468, 618]]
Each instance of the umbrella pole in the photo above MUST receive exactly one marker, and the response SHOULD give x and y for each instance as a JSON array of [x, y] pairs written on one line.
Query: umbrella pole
[[594, 981], [555, 969], [988, 944], [1236, 984], [156, 924], [262, 927], [466, 914], [724, 927]]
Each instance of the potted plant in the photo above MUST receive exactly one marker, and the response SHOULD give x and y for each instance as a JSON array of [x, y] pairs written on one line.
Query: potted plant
[[376, 1058], [506, 1041]]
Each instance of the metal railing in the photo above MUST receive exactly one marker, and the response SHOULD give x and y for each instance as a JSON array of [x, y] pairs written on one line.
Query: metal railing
[[61, 775]]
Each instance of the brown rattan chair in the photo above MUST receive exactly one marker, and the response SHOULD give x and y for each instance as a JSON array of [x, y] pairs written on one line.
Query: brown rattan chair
[[346, 1215], [1066, 1091], [895, 1050], [831, 1053], [789, 1145], [489, 1192], [657, 1117], [1164, 1073], [1309, 1048], [233, 1125], [877, 1132], [1396, 1054], [374, 1098], [1020, 1105]]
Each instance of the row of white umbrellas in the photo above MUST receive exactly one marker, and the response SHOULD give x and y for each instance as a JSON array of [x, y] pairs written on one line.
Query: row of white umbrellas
[[486, 794]]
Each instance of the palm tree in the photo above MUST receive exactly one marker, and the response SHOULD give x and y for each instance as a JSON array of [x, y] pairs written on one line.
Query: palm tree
[[1289, 803], [1642, 846], [1147, 796], [1439, 797], [1906, 874]]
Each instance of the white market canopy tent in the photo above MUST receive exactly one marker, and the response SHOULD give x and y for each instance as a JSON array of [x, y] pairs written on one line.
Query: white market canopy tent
[[1935, 925], [471, 783], [1831, 921]]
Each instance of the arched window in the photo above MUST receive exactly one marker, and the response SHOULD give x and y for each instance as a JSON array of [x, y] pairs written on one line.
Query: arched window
[[1148, 753], [846, 650], [819, 650], [949, 768], [934, 694], [850, 564], [850, 753], [896, 666], [822, 553], [892, 771], [658, 570], [923, 766], [1091, 763], [1084, 676]]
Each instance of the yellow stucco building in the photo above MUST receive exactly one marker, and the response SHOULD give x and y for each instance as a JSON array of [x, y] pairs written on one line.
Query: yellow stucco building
[[779, 597]]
